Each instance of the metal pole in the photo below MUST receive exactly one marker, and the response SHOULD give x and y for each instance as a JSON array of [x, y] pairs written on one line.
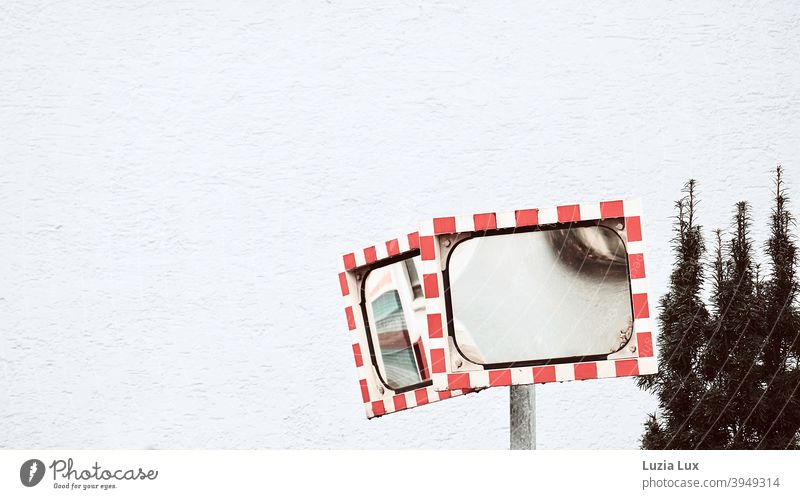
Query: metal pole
[[523, 417]]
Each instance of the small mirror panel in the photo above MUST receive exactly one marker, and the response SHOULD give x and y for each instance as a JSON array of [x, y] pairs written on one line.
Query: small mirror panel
[[395, 311]]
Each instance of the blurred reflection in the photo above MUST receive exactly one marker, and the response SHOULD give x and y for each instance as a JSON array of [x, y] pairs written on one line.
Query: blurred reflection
[[540, 295], [395, 310]]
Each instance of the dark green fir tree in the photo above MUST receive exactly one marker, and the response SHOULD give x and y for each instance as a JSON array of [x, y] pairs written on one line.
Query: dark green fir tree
[[683, 320], [777, 415], [729, 379], [730, 360]]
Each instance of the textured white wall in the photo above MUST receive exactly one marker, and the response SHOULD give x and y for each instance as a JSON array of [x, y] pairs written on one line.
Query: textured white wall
[[176, 182]]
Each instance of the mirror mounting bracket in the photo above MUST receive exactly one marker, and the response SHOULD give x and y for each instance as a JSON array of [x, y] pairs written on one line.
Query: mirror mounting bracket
[[448, 242], [459, 362]]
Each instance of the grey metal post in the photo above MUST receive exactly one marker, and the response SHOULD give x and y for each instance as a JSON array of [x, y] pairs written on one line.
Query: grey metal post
[[523, 417]]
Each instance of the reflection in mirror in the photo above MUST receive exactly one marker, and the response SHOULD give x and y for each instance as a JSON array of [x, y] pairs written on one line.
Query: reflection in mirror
[[540, 295], [396, 310]]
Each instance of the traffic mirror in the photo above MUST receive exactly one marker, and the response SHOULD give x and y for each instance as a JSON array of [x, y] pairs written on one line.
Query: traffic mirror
[[537, 295], [387, 320]]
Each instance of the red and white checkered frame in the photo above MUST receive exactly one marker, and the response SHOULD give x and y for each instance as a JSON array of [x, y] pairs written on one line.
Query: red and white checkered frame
[[378, 398], [447, 376]]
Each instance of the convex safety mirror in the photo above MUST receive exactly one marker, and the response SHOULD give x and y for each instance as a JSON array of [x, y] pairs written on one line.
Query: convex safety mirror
[[393, 303], [537, 295], [387, 320]]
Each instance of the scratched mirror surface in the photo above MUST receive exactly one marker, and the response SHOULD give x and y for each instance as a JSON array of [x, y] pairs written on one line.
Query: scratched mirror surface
[[541, 295], [396, 316]]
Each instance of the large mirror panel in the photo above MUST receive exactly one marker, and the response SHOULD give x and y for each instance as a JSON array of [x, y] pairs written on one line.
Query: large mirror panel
[[541, 295]]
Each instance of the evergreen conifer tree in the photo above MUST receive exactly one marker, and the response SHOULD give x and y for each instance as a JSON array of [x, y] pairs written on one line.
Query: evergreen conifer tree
[[729, 379], [713, 355], [683, 318], [777, 414], [730, 362]]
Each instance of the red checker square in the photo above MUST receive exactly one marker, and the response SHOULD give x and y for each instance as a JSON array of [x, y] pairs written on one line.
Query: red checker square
[[445, 395], [526, 217], [636, 265], [434, 325], [645, 341], [349, 261], [364, 390], [392, 247], [370, 255], [569, 213], [378, 408], [612, 209], [586, 371], [351, 321], [431, 283], [413, 240], [544, 374], [446, 225], [458, 381], [628, 367], [640, 307], [485, 221], [357, 355], [343, 284], [426, 248], [500, 378], [633, 226], [421, 395], [399, 402], [437, 360]]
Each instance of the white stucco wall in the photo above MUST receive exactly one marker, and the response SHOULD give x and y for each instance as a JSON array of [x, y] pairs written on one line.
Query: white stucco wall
[[176, 182]]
